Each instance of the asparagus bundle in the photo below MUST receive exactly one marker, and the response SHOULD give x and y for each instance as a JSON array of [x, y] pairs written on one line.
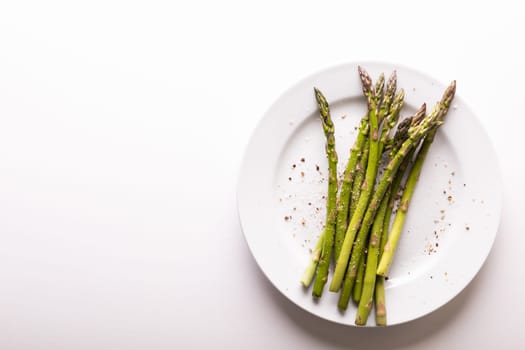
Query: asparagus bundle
[[440, 110], [374, 249], [374, 114], [415, 133], [359, 219]]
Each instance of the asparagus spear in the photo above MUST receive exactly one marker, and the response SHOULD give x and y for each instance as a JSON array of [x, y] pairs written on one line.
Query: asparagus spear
[[349, 176], [379, 93], [371, 172], [415, 133], [379, 292], [356, 153], [400, 136], [379, 299], [391, 119], [389, 111], [360, 169], [331, 210], [367, 295], [358, 288], [391, 86], [358, 181], [309, 272], [439, 112]]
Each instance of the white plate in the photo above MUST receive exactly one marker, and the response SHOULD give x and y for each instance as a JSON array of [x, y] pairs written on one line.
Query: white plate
[[452, 221]]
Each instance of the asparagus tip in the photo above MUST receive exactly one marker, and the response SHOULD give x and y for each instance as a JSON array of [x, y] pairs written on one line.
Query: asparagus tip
[[392, 83], [365, 80], [420, 114], [323, 106], [449, 93]]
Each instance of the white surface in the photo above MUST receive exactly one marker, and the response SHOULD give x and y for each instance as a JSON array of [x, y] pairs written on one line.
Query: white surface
[[122, 131], [452, 206]]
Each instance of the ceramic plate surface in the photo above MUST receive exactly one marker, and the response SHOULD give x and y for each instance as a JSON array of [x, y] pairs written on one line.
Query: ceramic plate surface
[[453, 217]]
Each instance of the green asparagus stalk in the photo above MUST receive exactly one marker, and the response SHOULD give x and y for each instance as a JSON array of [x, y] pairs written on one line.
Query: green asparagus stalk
[[389, 112], [415, 133], [356, 153], [358, 288], [358, 181], [379, 290], [402, 131], [380, 301], [379, 93], [368, 184], [439, 111], [309, 272], [392, 193], [369, 283], [391, 119], [331, 210], [389, 94]]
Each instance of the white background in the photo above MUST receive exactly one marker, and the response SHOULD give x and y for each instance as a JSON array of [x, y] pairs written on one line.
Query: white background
[[122, 129]]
